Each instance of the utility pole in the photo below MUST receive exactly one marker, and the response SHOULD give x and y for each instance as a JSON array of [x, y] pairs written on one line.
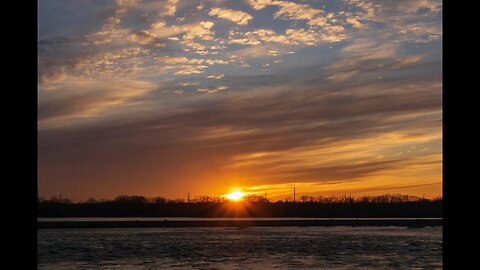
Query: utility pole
[[293, 194], [188, 197], [265, 194]]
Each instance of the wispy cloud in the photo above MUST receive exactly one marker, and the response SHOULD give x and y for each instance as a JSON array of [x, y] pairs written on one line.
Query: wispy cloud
[[86, 99]]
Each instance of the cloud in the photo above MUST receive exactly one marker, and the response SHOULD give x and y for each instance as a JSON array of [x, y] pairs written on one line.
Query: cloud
[[194, 61], [407, 61], [64, 59], [301, 36], [416, 21], [267, 35], [110, 32], [192, 33], [263, 50], [414, 6], [145, 38], [291, 10], [187, 69], [238, 17], [164, 8], [355, 23], [162, 81], [171, 7], [193, 45], [257, 37], [364, 56], [298, 37], [260, 4], [124, 5], [272, 53], [419, 32], [179, 92], [212, 90], [186, 66], [205, 52], [201, 30], [86, 99], [187, 84], [310, 135], [368, 9], [219, 76]]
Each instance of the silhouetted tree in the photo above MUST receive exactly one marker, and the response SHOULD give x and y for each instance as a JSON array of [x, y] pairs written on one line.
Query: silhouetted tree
[[91, 201], [159, 200]]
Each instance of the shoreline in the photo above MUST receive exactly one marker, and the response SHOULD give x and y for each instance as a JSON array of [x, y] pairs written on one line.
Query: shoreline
[[242, 223]]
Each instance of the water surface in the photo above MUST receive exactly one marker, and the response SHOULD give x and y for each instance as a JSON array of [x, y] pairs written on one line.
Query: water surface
[[249, 248]]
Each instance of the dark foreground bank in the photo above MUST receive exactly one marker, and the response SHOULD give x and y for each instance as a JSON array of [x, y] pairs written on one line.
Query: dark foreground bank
[[238, 223]]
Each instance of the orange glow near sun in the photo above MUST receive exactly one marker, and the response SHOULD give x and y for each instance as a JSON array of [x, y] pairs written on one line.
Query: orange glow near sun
[[235, 196]]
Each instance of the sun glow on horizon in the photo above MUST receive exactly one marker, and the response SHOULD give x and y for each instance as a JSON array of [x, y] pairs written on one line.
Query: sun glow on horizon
[[235, 195]]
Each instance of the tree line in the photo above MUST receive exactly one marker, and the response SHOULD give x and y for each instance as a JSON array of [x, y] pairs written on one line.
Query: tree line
[[388, 205]]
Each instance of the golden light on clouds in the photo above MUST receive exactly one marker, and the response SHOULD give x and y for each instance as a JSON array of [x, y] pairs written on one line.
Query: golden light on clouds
[[159, 96]]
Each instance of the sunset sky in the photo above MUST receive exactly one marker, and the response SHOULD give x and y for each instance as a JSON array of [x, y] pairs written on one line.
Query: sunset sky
[[169, 97]]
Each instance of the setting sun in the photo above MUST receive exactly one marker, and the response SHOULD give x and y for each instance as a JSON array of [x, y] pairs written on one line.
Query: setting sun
[[235, 195]]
